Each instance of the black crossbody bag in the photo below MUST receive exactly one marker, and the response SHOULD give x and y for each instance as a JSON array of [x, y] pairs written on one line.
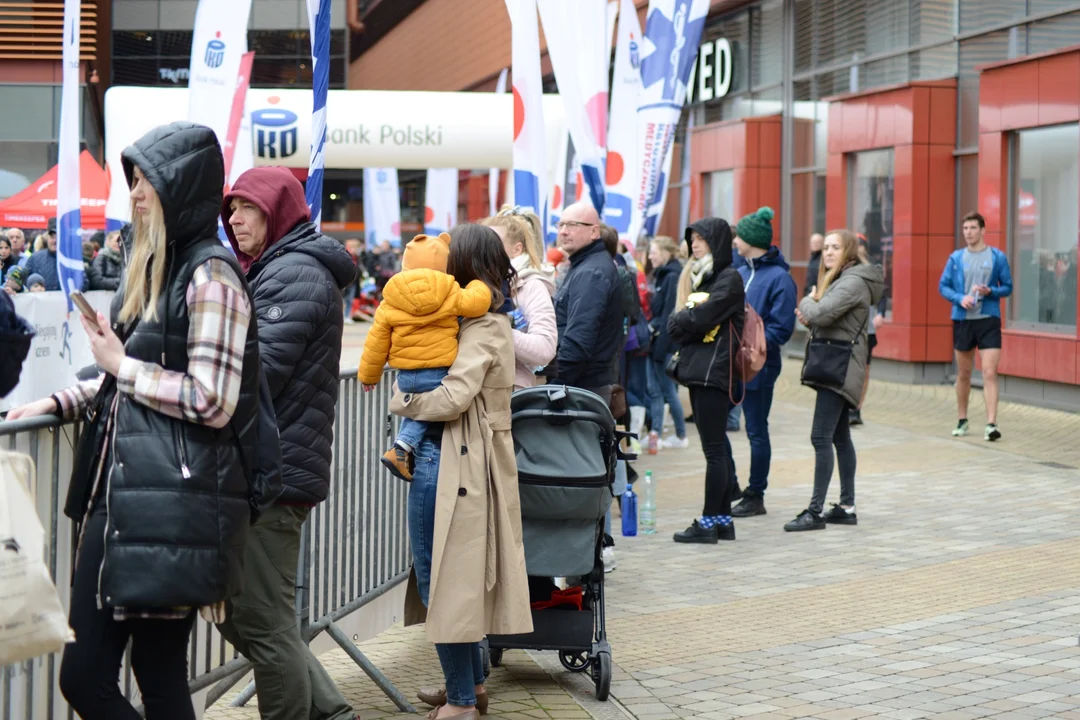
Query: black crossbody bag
[[827, 361]]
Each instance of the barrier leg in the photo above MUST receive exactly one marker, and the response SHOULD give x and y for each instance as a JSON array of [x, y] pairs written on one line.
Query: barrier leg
[[369, 669], [245, 695]]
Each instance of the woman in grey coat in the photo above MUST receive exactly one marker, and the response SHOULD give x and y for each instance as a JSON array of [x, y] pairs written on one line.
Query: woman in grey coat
[[837, 309]]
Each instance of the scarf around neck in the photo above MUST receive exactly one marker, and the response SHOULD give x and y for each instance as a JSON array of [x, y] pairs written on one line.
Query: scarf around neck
[[699, 269]]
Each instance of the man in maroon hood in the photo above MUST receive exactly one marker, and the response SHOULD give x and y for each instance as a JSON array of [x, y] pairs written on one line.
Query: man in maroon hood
[[296, 275]]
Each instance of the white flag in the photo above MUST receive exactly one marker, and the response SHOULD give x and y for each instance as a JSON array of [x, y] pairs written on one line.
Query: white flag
[[217, 45], [579, 46], [440, 200], [493, 174], [530, 145], [623, 182], [382, 207], [69, 257], [672, 34]]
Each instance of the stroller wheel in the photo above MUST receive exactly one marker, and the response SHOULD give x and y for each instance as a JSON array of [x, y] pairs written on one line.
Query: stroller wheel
[[601, 672], [575, 662], [495, 657]]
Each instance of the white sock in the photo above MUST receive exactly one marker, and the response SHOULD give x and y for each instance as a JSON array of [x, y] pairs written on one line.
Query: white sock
[[404, 445]]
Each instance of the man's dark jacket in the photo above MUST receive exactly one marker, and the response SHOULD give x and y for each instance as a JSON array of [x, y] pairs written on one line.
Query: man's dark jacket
[[589, 317], [297, 282]]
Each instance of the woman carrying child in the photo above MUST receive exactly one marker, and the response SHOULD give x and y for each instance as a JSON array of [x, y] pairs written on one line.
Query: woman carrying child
[[464, 514]]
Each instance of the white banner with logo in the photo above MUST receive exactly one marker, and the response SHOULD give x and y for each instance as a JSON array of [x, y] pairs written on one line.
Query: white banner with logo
[[218, 43], [579, 46], [440, 200], [69, 260], [623, 147], [382, 207], [558, 190], [493, 173], [530, 146], [669, 49], [365, 128], [60, 348]]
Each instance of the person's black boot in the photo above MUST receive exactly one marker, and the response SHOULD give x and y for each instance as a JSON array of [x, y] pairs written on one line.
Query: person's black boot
[[697, 534], [855, 417], [749, 506], [807, 520], [840, 516]]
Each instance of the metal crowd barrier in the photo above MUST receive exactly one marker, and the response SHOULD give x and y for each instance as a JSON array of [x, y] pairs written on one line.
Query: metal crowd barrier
[[354, 549]]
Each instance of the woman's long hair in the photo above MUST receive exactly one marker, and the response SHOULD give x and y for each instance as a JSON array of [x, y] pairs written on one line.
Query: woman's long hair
[[40, 242], [849, 253], [477, 253], [519, 228], [146, 268]]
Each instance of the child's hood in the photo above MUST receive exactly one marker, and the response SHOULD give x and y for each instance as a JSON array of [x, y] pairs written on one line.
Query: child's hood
[[419, 292]]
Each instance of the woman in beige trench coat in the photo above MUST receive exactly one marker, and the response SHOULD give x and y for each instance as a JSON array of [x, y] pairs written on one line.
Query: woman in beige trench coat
[[464, 514]]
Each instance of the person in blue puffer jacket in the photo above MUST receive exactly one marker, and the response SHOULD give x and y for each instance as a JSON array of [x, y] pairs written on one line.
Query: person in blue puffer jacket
[[771, 291]]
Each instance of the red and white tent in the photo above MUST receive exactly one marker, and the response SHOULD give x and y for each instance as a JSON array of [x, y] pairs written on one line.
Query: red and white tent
[[32, 207]]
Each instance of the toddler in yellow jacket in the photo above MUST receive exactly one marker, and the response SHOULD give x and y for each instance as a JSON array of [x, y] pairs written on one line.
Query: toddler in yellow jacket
[[416, 328]]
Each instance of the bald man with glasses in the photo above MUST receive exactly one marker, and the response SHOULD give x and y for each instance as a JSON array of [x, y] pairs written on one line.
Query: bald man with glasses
[[588, 310]]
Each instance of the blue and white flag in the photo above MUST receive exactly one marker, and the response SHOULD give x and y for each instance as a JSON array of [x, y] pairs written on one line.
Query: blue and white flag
[[440, 200], [493, 173], [622, 178], [69, 257], [319, 21], [382, 207], [579, 45], [672, 35], [530, 144]]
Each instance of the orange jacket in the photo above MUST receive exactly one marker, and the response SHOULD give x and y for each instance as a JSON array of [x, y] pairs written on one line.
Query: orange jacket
[[416, 325]]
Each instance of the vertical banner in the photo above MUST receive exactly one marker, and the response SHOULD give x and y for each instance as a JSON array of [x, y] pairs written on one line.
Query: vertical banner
[[623, 147], [440, 200], [672, 35], [493, 174], [530, 146], [69, 257], [580, 47], [218, 43], [319, 21], [243, 80], [558, 190], [382, 207]]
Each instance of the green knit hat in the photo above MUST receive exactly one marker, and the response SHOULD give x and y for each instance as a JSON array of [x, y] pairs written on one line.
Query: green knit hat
[[756, 228]]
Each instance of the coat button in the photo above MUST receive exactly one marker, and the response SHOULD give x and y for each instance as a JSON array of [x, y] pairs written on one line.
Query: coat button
[[407, 398], [464, 450], [462, 492]]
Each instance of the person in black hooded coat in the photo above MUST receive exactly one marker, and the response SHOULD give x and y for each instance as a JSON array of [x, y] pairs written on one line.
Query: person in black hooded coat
[[706, 333], [160, 481]]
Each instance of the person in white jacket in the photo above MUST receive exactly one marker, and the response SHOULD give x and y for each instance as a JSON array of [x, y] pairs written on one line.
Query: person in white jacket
[[535, 344]]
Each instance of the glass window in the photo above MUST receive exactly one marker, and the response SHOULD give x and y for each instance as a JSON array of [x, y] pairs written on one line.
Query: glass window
[[890, 71], [871, 207], [975, 14], [21, 163], [932, 20], [720, 194], [934, 63], [975, 52], [767, 44], [804, 35], [967, 175], [1045, 223], [1054, 33], [27, 112], [137, 43]]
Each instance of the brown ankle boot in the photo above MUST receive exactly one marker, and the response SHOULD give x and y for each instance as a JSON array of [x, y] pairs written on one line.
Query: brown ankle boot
[[436, 697], [398, 462]]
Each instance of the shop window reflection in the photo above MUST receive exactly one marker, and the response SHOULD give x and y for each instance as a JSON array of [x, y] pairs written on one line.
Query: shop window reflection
[[1045, 222], [871, 203], [720, 192]]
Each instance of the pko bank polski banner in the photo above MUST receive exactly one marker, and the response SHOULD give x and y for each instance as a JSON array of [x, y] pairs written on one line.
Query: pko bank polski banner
[[530, 174], [218, 43], [364, 128], [669, 48], [623, 147]]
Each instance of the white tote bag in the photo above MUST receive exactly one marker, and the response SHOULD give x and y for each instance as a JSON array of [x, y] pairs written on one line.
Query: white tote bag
[[32, 621]]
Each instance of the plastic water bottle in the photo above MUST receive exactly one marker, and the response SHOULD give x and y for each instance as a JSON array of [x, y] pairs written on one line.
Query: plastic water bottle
[[648, 504], [629, 512]]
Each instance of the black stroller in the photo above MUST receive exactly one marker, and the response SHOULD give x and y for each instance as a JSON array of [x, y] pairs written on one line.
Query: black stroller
[[566, 446]]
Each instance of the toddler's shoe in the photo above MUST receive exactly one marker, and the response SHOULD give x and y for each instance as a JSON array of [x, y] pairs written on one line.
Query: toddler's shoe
[[398, 462]]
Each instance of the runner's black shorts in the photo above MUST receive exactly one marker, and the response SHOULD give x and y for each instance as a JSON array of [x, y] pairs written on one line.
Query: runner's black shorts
[[984, 334]]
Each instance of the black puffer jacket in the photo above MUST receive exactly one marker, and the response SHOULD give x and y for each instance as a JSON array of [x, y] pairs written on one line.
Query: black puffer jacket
[[105, 270], [704, 331], [176, 493], [297, 285], [662, 305]]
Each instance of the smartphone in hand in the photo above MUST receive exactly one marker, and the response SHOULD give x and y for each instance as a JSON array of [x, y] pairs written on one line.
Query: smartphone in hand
[[87, 311]]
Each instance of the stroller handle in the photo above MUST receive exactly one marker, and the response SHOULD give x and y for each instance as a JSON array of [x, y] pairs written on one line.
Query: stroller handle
[[565, 417]]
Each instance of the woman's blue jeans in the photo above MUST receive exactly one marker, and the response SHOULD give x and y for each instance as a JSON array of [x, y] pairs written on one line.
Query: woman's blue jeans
[[663, 389], [461, 663]]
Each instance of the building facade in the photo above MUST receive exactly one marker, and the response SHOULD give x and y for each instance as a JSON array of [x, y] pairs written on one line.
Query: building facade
[[890, 117]]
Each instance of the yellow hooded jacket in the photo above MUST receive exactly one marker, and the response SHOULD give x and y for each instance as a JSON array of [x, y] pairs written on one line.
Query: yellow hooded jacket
[[416, 325]]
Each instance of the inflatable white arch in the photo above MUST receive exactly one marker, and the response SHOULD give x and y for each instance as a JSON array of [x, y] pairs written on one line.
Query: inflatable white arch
[[365, 128]]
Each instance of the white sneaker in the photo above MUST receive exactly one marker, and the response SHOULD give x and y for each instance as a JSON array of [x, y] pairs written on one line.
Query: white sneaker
[[675, 443], [608, 556]]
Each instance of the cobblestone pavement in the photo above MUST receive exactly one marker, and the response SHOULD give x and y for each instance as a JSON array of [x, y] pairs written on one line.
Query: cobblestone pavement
[[957, 595]]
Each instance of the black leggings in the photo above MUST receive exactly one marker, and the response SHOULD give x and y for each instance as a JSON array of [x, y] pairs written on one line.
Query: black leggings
[[90, 670], [710, 408], [831, 429]]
